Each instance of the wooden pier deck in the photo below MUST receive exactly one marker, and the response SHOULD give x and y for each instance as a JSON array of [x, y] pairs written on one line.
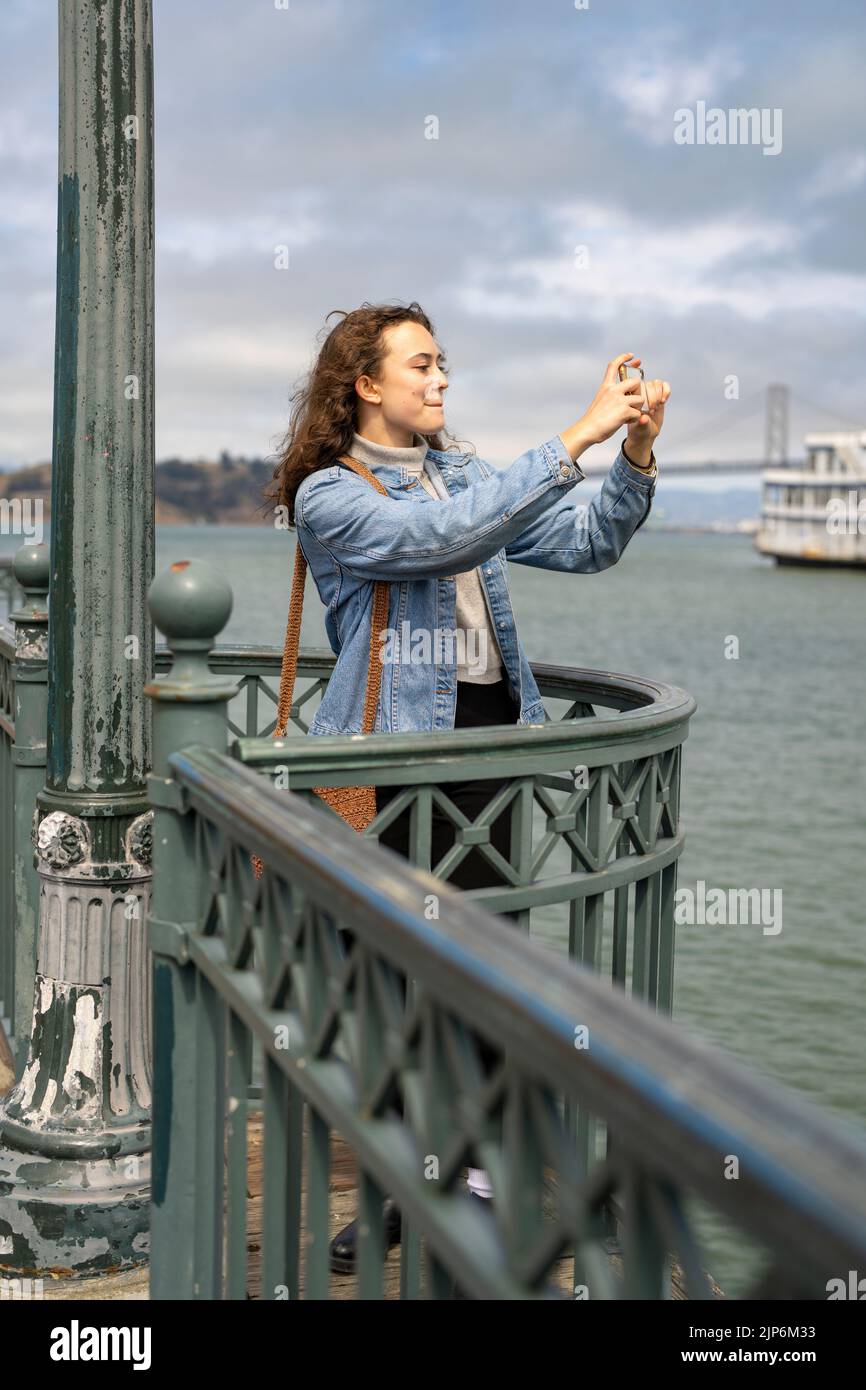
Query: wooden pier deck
[[133, 1284]]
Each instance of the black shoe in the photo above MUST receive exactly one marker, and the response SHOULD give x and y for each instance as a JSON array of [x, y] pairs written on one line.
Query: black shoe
[[344, 1246]]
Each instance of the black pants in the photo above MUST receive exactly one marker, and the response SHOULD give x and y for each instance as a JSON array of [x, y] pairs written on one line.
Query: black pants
[[476, 705]]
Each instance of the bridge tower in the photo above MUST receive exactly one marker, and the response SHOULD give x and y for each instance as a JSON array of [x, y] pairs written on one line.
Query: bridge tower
[[776, 427]]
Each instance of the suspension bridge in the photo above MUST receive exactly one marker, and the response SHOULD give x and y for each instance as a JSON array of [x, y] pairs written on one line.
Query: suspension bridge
[[774, 404]]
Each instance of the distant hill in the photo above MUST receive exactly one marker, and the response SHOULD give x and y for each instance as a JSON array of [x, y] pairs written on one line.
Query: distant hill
[[227, 492]]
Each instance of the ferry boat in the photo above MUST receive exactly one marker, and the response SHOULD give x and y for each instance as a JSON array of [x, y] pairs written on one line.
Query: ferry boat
[[815, 514]]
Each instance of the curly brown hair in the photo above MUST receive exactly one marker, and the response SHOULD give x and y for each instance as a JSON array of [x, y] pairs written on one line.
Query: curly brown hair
[[324, 411]]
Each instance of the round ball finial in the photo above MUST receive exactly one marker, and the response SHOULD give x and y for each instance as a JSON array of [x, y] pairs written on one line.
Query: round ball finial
[[31, 565], [190, 602]]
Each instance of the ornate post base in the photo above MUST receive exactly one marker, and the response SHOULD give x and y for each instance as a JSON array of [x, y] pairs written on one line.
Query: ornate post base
[[75, 1130]]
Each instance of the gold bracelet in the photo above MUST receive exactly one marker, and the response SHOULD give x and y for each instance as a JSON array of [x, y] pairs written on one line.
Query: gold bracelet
[[641, 468]]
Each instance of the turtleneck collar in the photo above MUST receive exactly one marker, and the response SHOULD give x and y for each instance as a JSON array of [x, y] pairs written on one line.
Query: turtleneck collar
[[373, 455]]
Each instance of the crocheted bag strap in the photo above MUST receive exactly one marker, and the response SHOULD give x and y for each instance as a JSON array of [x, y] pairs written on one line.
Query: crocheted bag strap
[[379, 620]]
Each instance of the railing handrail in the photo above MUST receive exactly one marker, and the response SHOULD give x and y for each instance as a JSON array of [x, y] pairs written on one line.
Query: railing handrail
[[800, 1186], [524, 747], [594, 686]]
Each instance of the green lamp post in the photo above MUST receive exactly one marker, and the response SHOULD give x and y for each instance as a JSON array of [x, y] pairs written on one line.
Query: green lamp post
[[75, 1130]]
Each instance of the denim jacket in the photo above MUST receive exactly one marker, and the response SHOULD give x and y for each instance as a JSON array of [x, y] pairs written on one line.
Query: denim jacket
[[351, 535]]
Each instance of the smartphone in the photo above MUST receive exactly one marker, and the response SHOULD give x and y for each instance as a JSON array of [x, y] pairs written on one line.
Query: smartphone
[[623, 376]]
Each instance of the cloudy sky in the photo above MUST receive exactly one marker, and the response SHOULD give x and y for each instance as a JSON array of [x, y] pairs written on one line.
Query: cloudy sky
[[554, 222]]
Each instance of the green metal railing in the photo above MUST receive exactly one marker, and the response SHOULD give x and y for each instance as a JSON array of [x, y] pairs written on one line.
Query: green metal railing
[[7, 804], [604, 853], [599, 1122], [314, 964], [593, 795]]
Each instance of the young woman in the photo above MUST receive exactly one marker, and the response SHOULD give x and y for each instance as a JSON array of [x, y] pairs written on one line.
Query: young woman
[[442, 537]]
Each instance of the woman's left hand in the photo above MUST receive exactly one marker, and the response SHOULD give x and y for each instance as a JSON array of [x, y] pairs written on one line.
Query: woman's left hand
[[642, 433]]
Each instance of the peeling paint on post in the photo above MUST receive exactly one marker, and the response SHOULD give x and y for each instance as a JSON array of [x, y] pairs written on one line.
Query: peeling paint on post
[[75, 1130], [31, 567]]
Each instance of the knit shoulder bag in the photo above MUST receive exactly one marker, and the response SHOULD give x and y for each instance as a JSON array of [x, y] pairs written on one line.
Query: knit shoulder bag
[[356, 805]]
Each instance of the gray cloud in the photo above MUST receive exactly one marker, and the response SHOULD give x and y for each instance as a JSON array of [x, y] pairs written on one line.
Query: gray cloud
[[306, 128]]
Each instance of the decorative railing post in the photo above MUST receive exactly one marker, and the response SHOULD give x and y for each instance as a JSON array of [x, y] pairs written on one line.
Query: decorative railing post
[[190, 603], [10, 591], [75, 1130], [30, 567]]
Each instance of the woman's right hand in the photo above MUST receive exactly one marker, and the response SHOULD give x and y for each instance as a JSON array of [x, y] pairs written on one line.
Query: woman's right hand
[[616, 403]]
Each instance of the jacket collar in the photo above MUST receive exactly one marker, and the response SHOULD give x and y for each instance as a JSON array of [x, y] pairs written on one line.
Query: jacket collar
[[398, 474]]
